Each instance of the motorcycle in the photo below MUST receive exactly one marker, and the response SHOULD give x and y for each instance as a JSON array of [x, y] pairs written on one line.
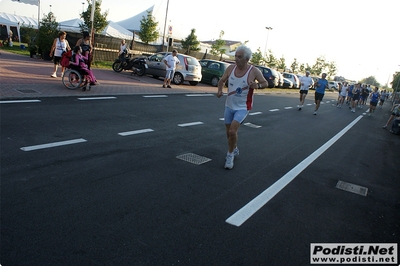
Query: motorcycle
[[124, 62]]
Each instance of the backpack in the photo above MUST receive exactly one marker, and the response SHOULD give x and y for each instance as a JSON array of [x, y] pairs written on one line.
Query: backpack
[[66, 58]]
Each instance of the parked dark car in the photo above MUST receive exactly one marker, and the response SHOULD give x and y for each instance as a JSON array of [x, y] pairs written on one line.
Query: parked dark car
[[271, 75], [188, 69], [212, 71]]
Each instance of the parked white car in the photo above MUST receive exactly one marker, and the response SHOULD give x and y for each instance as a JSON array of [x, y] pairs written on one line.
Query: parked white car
[[293, 78], [333, 85]]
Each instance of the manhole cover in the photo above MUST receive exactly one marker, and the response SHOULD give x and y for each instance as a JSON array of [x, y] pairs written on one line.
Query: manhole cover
[[352, 188], [193, 158], [27, 91]]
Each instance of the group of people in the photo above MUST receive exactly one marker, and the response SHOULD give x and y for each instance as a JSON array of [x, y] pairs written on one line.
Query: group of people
[[81, 58], [243, 78]]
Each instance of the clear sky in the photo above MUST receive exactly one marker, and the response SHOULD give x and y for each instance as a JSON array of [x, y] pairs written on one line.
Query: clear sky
[[362, 37]]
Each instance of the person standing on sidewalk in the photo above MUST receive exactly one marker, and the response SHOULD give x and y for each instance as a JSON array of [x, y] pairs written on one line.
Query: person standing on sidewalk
[[60, 45], [320, 87], [241, 78], [305, 83], [87, 47], [170, 61]]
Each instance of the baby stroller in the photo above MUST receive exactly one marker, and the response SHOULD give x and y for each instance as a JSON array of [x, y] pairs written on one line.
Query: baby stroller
[[73, 78]]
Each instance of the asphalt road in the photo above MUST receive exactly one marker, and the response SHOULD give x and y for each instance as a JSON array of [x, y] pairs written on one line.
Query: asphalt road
[[118, 195]]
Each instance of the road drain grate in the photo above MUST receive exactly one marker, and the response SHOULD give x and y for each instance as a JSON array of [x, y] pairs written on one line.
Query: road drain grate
[[193, 158], [352, 188], [27, 91]]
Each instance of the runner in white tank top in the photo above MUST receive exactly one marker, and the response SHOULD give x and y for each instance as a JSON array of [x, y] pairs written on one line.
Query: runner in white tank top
[[241, 79], [238, 89]]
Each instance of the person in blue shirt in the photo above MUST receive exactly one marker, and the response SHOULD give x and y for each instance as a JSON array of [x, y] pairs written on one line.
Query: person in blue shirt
[[320, 87], [374, 101]]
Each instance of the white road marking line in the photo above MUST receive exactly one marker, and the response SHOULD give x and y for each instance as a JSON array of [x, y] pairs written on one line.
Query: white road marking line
[[199, 95], [96, 98], [251, 125], [22, 101], [190, 124], [222, 119], [155, 96], [289, 107], [258, 202], [140, 131], [274, 110], [255, 113], [309, 104], [54, 144]]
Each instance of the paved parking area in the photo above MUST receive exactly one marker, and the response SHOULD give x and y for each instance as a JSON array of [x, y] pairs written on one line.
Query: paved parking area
[[24, 77]]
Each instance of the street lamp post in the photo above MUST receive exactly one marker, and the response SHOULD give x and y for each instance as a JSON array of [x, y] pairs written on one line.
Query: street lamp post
[[83, 7], [265, 49]]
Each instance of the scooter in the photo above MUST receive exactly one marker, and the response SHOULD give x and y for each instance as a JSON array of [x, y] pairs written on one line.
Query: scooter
[[124, 62]]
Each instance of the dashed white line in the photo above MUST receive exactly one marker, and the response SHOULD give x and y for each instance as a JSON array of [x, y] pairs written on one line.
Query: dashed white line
[[289, 107], [96, 98], [274, 110], [135, 132], [255, 113], [239, 217], [53, 144], [200, 95], [190, 124], [155, 96], [22, 101]]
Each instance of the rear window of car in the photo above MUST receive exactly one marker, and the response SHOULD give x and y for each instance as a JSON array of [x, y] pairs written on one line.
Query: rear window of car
[[288, 76], [192, 61]]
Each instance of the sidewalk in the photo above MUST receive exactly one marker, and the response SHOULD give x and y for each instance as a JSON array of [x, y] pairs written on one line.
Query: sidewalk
[[22, 77]]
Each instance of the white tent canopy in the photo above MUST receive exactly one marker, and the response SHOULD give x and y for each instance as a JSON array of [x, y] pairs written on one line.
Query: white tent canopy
[[112, 29], [71, 25], [10, 20], [117, 31], [133, 23]]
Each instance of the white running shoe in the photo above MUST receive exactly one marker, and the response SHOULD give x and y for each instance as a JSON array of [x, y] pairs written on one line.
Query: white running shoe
[[229, 161], [236, 152], [54, 75]]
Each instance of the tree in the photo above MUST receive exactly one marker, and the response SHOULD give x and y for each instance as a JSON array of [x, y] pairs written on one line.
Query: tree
[[294, 66], [271, 60], [318, 66], [257, 57], [191, 43], [331, 69], [99, 20], [371, 80], [396, 82], [47, 33], [216, 48], [281, 63], [148, 29]]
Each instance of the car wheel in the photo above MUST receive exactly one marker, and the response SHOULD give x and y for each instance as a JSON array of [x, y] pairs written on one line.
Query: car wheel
[[214, 81], [193, 83], [178, 79]]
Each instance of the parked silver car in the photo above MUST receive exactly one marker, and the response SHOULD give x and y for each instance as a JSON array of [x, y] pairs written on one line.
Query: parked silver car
[[293, 78], [189, 69]]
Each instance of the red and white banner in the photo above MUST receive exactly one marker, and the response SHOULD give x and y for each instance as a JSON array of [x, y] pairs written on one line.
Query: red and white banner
[[30, 2]]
